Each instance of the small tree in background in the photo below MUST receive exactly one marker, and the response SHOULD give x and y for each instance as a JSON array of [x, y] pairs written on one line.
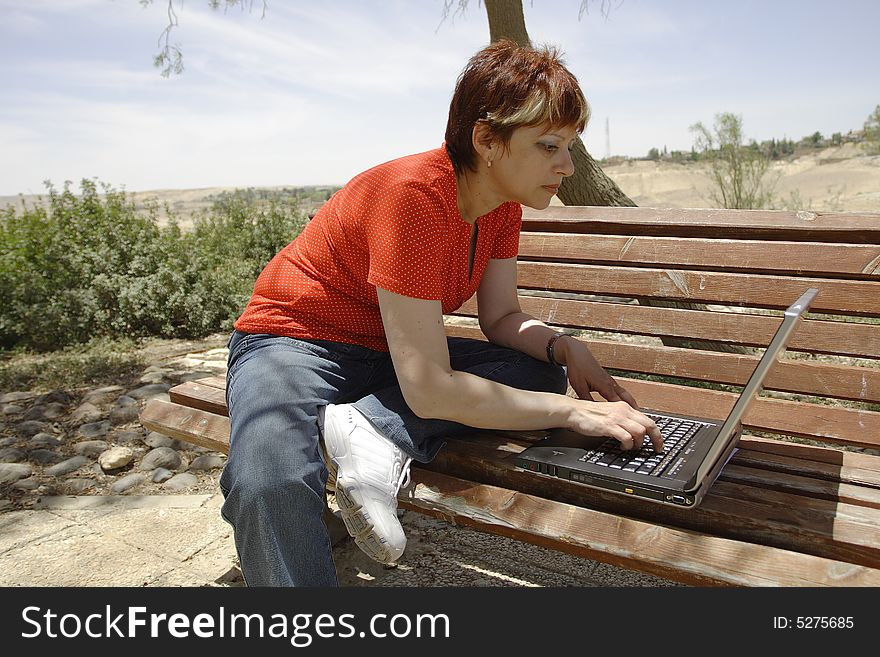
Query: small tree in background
[[738, 171], [872, 132]]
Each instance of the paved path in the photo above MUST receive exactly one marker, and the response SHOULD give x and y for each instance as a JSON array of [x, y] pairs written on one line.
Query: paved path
[[181, 540]]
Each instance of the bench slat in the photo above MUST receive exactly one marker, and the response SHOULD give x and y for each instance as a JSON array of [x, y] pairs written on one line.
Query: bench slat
[[827, 423], [855, 227], [817, 336], [788, 483], [821, 259], [846, 460], [811, 378], [671, 553], [213, 382], [756, 290], [189, 424], [794, 462], [198, 395]]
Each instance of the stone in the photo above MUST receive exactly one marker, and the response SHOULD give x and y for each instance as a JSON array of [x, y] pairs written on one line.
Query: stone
[[12, 409], [91, 448], [161, 474], [156, 439], [161, 457], [44, 456], [153, 377], [68, 466], [127, 482], [124, 401], [35, 412], [12, 455], [44, 440], [56, 397], [149, 391], [180, 482], [79, 485], [102, 396], [115, 458], [31, 427], [207, 462], [86, 412], [129, 438], [95, 429], [51, 411], [31, 483], [9, 441], [124, 415], [11, 472], [11, 397]]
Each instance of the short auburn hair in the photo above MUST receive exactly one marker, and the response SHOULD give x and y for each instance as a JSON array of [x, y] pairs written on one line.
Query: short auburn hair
[[508, 86]]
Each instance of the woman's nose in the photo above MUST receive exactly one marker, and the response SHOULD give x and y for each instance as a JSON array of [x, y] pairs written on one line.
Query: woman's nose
[[565, 167]]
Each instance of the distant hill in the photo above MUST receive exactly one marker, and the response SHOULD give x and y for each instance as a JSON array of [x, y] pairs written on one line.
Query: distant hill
[[839, 179]]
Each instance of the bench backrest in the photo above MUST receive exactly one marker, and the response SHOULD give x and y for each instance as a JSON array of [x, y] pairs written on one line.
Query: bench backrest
[[605, 273]]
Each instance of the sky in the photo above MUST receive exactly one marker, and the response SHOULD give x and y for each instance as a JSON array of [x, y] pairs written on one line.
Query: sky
[[312, 93]]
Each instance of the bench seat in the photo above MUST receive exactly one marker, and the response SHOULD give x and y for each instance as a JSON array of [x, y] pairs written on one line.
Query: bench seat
[[673, 303]]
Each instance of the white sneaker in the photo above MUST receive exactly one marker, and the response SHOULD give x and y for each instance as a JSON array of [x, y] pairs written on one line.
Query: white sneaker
[[370, 472]]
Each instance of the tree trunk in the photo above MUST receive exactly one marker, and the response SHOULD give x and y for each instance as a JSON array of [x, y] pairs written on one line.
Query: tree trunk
[[506, 20], [589, 185]]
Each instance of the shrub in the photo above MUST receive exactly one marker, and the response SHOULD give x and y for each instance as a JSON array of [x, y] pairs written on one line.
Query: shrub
[[90, 264]]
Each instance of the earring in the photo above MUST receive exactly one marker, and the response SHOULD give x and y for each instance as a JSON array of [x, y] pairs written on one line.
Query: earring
[[489, 163]]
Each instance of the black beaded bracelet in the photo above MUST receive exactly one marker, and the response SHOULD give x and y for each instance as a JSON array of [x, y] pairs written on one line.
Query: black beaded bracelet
[[550, 343]]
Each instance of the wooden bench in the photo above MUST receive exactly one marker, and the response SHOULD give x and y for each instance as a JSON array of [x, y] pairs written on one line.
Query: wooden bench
[[798, 505]]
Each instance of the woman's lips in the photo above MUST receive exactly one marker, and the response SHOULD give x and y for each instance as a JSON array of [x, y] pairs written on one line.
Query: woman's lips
[[551, 188]]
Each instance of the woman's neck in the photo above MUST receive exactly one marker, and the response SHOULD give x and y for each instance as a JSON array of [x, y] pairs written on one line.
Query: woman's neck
[[474, 195]]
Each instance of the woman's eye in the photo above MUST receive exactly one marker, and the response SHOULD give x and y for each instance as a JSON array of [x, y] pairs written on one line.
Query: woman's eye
[[550, 148]]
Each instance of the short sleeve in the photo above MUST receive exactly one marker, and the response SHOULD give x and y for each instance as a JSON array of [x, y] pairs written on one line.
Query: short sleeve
[[407, 237], [507, 243]]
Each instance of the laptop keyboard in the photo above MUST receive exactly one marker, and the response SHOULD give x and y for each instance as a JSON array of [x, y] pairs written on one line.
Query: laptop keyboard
[[677, 432]]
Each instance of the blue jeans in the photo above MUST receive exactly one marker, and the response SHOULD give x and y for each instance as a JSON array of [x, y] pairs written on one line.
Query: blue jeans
[[274, 478]]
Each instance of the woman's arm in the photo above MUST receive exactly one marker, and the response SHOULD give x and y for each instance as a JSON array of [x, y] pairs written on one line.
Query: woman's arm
[[504, 323], [432, 389]]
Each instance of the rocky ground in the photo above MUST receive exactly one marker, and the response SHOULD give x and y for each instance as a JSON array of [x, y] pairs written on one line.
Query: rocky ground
[[90, 442]]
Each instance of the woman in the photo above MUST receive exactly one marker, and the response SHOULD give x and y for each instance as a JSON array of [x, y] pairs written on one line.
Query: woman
[[339, 365]]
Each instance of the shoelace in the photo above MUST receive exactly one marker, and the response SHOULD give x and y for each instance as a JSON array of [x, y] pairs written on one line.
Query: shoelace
[[403, 479]]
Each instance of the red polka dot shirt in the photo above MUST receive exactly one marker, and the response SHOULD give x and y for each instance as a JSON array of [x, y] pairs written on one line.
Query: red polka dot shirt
[[395, 226]]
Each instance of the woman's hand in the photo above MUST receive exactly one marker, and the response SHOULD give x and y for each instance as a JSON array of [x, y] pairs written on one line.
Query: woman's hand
[[620, 419], [586, 375]]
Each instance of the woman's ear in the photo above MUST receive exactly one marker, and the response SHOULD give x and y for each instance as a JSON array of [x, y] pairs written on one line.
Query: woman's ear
[[484, 144]]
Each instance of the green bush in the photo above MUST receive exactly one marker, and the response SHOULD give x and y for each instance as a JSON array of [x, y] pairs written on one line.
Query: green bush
[[90, 264]]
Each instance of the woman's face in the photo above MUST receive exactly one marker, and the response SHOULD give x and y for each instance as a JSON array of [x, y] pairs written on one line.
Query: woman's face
[[530, 170]]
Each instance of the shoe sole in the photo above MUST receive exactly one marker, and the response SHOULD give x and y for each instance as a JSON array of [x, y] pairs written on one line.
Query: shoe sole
[[357, 522]]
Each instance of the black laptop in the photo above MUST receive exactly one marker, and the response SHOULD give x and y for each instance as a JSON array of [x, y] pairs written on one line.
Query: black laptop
[[695, 449]]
